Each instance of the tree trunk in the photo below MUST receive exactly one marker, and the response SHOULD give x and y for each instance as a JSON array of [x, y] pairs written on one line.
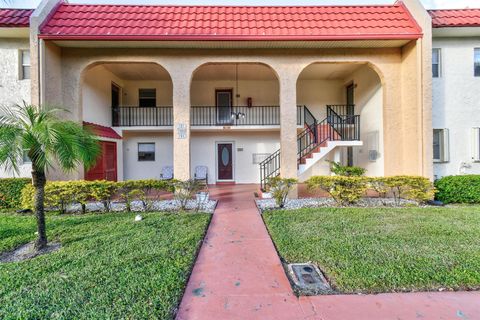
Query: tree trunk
[[39, 181]]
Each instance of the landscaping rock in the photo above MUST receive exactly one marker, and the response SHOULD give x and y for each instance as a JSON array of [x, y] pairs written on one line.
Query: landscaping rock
[[137, 206], [292, 204]]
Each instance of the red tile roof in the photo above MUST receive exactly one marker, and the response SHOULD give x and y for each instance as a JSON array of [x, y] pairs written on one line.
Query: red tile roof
[[102, 131], [455, 18], [15, 18], [140, 22]]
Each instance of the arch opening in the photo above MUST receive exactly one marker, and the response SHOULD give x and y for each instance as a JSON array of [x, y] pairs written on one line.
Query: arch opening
[[353, 90], [234, 109], [135, 99]]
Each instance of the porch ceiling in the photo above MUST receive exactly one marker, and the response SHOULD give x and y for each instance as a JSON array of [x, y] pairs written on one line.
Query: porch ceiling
[[246, 71], [329, 71], [137, 71]]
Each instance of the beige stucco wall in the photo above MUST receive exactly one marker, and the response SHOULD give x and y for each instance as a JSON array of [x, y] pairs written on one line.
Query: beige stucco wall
[[402, 153], [263, 93], [134, 169], [96, 95], [369, 105], [316, 94], [130, 91], [419, 85]]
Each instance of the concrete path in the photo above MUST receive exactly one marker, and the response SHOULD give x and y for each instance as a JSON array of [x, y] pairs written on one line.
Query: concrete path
[[238, 275]]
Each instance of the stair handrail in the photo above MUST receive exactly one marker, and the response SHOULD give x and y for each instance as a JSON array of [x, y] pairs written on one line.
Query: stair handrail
[[269, 168]]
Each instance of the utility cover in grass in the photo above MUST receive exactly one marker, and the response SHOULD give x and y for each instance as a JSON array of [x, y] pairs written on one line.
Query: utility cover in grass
[[308, 279]]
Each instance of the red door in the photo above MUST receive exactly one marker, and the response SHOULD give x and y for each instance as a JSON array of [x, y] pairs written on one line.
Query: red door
[[106, 166], [225, 161]]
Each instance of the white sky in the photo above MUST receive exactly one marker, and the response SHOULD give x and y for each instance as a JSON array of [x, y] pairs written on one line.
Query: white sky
[[429, 4]]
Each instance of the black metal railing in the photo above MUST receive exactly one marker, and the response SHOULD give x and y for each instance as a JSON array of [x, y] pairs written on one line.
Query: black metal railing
[[345, 109], [339, 125], [308, 118], [307, 140], [269, 168], [235, 116], [142, 116], [346, 126], [130, 116]]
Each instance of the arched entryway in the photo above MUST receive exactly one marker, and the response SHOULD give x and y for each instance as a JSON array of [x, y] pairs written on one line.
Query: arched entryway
[[134, 101], [235, 119], [348, 97]]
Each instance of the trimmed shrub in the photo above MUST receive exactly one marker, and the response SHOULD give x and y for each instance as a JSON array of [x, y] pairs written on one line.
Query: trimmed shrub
[[344, 190], [104, 192], [60, 194], [348, 190], [280, 188], [347, 171], [413, 188], [459, 189], [11, 192]]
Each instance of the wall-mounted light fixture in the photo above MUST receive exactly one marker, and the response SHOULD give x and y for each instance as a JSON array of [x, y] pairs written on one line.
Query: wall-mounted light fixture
[[238, 115]]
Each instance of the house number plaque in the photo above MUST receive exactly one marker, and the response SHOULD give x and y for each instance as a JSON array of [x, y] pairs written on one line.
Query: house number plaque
[[181, 131]]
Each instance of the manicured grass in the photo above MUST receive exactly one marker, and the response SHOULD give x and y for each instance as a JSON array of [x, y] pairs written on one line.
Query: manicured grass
[[384, 250], [109, 267]]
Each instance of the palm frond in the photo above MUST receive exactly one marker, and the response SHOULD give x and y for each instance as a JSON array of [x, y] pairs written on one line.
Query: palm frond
[[46, 138], [11, 147]]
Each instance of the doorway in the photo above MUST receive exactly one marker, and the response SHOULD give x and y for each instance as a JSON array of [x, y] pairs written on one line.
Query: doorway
[[106, 165], [225, 161], [223, 103], [350, 119], [115, 94]]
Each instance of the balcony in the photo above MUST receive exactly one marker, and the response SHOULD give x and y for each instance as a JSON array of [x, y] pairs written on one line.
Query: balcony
[[202, 116]]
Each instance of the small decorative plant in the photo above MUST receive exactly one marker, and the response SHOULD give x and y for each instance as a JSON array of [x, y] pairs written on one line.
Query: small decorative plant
[[280, 188], [186, 190], [347, 171]]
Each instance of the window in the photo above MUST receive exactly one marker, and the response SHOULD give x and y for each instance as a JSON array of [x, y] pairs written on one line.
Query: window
[[477, 62], [147, 97], [25, 64], [476, 144], [146, 151], [25, 157], [436, 59], [440, 145]]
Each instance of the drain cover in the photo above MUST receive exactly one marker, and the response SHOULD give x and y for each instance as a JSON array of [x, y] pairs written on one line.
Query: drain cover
[[308, 278]]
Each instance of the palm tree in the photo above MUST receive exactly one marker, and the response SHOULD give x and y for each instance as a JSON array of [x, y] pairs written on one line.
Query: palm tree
[[46, 140]]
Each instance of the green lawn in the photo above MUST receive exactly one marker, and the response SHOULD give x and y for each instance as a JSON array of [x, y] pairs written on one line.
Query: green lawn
[[109, 267], [384, 250]]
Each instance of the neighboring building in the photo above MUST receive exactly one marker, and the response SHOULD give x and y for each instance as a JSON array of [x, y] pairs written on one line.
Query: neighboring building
[[456, 91], [15, 65], [248, 92]]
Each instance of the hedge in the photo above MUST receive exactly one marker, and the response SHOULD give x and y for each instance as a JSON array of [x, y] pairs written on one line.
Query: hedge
[[459, 189], [347, 190], [11, 190], [60, 194]]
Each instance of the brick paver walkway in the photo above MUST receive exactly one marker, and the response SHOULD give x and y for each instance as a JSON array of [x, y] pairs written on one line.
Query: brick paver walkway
[[238, 275]]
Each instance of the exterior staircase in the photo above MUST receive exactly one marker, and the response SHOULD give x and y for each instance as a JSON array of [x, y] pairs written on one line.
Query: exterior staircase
[[317, 140]]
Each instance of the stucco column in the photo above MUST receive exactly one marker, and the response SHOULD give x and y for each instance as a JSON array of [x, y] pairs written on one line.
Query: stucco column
[[288, 125], [181, 124]]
